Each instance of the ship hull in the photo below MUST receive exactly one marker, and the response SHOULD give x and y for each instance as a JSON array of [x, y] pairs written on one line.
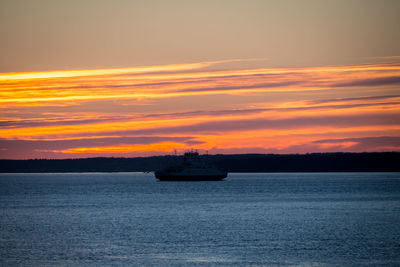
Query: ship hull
[[189, 178]]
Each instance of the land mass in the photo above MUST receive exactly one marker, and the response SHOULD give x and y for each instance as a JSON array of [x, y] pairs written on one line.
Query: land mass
[[314, 162]]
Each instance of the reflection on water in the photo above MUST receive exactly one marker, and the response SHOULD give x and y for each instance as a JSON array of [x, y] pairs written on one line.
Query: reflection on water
[[307, 219]]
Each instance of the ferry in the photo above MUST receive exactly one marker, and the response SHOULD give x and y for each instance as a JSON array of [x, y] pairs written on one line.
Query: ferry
[[193, 168]]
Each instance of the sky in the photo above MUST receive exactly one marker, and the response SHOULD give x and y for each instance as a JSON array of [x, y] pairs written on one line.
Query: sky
[[139, 78]]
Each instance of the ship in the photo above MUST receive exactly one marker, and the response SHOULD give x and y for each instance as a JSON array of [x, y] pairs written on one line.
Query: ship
[[193, 168]]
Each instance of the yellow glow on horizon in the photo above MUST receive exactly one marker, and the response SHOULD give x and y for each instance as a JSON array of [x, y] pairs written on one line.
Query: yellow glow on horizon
[[115, 71], [80, 73], [163, 146]]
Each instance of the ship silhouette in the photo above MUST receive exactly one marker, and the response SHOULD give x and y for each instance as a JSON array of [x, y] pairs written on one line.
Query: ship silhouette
[[193, 168]]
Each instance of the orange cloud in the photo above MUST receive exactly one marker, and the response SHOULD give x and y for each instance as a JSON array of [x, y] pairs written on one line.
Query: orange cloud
[[136, 83], [164, 146], [274, 109]]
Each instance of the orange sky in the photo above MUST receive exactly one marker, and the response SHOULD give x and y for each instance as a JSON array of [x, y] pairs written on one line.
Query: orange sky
[[135, 78], [153, 110]]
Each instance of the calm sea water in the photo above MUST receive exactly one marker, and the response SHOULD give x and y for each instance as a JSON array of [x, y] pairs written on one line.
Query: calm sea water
[[296, 219]]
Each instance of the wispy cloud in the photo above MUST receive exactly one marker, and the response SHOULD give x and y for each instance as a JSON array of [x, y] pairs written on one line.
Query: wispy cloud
[[382, 143], [107, 84], [153, 109], [19, 148], [392, 80]]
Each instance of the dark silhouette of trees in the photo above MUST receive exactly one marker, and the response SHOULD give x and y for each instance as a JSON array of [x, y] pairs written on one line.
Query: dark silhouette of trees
[[315, 162]]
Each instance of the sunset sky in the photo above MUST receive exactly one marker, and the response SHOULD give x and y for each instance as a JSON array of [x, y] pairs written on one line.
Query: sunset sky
[[138, 78]]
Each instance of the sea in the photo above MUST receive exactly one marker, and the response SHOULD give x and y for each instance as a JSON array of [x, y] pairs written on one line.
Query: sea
[[249, 219]]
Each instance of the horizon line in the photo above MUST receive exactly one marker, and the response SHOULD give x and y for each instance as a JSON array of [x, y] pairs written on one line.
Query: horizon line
[[178, 155]]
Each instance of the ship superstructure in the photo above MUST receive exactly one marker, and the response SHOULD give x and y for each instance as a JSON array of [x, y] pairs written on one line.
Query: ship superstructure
[[193, 168]]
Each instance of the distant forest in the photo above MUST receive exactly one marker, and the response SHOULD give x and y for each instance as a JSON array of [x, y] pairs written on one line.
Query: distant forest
[[315, 162]]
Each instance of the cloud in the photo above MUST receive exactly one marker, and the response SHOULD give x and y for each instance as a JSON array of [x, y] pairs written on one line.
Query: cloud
[[370, 82], [120, 110], [366, 143], [347, 99], [53, 122], [95, 85], [322, 104], [222, 126], [13, 148], [360, 144], [106, 72], [263, 123]]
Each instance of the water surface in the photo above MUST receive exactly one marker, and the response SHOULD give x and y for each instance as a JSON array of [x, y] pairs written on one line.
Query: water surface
[[286, 219]]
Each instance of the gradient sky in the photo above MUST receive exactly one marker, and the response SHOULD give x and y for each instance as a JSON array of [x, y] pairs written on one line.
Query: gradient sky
[[137, 78]]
